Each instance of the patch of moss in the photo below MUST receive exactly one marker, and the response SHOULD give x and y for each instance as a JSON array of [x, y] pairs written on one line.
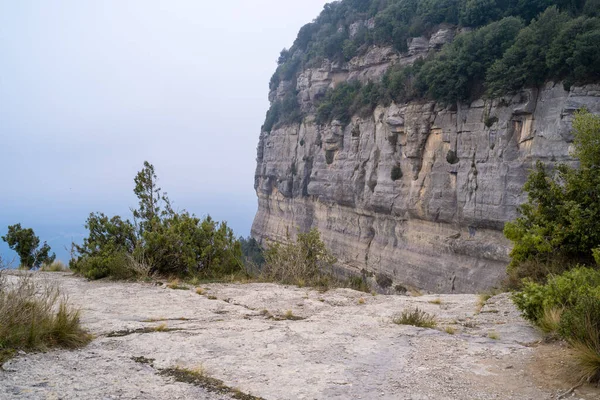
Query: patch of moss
[[199, 378]]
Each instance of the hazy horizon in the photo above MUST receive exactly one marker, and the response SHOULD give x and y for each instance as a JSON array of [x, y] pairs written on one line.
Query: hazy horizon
[[90, 90]]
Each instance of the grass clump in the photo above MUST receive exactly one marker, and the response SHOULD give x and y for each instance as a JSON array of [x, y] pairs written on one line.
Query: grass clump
[[437, 301], [199, 377], [550, 320], [55, 266], [161, 328], [199, 291], [289, 315], [415, 317], [493, 335], [35, 317], [176, 285], [450, 330]]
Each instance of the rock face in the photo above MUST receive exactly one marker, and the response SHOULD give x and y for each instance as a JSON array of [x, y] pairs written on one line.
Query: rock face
[[417, 191]]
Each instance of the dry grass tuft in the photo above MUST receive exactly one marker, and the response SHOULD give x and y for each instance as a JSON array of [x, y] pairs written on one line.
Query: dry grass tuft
[[161, 328], [450, 330], [56, 266], [587, 356], [493, 335], [199, 291], [415, 317], [289, 315], [550, 321], [437, 301], [361, 300], [482, 299], [175, 284], [587, 351], [35, 316], [485, 296]]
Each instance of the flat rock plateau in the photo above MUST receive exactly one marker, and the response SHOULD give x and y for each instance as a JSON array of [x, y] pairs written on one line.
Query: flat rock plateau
[[284, 342]]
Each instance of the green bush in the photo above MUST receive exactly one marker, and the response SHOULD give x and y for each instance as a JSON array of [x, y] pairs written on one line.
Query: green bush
[[576, 321], [458, 72], [339, 103], [161, 241], [285, 111], [358, 282], [524, 63], [561, 291], [576, 296], [400, 83], [105, 264], [573, 55], [26, 244], [558, 223]]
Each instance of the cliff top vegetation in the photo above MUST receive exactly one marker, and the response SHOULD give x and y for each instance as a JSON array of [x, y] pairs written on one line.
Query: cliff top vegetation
[[502, 46]]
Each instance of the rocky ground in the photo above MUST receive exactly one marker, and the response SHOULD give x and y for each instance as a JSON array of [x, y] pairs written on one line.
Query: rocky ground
[[278, 342]]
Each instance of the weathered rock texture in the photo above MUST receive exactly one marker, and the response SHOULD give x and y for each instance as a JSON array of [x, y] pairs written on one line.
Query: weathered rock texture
[[438, 226], [341, 345]]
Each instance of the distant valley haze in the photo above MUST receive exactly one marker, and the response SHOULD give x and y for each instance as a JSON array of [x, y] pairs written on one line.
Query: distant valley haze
[[89, 90]]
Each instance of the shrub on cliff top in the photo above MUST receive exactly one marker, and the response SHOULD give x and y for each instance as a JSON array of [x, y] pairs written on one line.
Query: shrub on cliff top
[[303, 262], [160, 241], [501, 55]]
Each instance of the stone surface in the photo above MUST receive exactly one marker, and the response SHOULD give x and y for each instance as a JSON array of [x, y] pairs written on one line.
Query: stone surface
[[437, 227], [344, 346]]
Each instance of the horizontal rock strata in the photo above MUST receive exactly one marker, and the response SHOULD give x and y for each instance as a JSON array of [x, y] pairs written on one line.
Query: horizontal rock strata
[[417, 191]]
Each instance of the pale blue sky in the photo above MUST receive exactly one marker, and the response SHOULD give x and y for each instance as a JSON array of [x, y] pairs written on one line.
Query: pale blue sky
[[91, 89]]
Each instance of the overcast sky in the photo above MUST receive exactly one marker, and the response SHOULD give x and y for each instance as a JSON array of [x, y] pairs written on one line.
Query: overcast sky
[[91, 89]]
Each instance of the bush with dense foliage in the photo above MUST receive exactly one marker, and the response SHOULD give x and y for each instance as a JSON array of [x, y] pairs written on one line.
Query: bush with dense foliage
[[575, 298], [458, 72], [557, 230], [24, 242], [558, 226], [560, 291], [159, 241]]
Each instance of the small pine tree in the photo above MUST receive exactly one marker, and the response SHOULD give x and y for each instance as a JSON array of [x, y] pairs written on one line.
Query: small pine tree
[[25, 243]]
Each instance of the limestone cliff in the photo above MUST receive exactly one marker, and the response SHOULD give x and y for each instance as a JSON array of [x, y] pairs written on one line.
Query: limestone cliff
[[418, 191]]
